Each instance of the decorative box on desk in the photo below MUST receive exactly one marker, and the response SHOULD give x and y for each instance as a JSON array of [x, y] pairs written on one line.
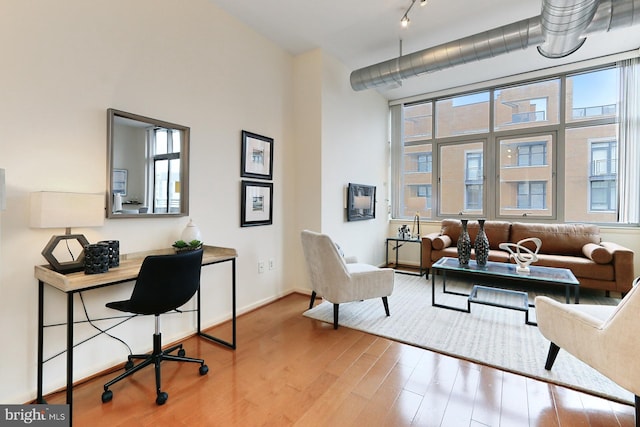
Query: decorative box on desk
[[127, 270], [396, 244]]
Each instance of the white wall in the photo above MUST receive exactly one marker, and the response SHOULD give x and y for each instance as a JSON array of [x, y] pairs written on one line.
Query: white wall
[[65, 63], [354, 149]]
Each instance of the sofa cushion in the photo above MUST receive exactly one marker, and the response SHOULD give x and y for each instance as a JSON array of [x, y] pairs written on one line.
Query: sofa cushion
[[497, 231], [579, 265], [558, 239], [596, 253], [441, 242]]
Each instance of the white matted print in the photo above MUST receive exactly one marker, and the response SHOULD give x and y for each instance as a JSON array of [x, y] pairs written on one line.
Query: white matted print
[[257, 203], [257, 156]]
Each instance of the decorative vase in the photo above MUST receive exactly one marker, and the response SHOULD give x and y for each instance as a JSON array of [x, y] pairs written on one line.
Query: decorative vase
[[114, 252], [96, 258], [191, 232], [481, 245], [464, 244]]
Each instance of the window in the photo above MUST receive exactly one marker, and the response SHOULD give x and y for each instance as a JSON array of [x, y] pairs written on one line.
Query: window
[[528, 105], [532, 195], [418, 162], [520, 147], [165, 161], [534, 154], [603, 182], [467, 114], [462, 175]]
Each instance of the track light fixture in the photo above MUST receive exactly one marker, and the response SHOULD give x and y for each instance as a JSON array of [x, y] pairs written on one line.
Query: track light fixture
[[404, 22]]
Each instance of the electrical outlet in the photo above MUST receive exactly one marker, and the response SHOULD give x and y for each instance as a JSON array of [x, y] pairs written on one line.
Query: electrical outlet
[[260, 266], [272, 263]]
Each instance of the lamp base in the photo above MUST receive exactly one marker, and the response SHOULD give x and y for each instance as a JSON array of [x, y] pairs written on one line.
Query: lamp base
[[68, 266]]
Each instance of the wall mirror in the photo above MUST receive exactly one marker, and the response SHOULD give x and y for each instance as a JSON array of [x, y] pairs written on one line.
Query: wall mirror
[[147, 167]]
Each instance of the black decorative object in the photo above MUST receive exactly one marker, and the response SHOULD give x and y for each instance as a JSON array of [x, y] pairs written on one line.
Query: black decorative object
[[464, 245], [114, 252], [96, 258], [481, 245]]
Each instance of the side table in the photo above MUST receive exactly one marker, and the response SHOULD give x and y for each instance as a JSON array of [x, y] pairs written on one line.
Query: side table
[[396, 244]]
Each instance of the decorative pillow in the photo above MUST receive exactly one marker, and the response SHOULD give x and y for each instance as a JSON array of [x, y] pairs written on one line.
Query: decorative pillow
[[441, 242], [339, 250], [596, 253]]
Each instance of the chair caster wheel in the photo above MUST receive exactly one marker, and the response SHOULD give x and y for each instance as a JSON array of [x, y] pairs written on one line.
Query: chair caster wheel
[[162, 398], [107, 396], [128, 365], [204, 369], [181, 352]]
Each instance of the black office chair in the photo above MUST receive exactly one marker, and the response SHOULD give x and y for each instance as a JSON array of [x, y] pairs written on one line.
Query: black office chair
[[165, 282]]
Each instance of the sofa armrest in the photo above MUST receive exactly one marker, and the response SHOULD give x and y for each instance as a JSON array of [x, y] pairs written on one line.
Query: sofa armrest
[[622, 265], [427, 248]]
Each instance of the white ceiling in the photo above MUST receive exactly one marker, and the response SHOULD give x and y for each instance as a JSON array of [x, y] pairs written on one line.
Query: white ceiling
[[365, 32]]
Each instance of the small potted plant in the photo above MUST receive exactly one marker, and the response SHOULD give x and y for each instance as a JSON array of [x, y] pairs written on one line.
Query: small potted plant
[[181, 245]]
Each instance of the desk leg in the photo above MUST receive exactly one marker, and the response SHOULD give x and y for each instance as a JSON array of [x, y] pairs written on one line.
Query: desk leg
[[39, 398], [232, 344], [70, 354]]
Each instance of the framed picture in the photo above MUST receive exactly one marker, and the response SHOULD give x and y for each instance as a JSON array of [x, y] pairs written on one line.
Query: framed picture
[[119, 183], [257, 203], [257, 156], [361, 202]]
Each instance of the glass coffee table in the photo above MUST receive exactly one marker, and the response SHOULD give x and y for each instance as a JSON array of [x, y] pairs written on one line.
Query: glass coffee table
[[486, 295]]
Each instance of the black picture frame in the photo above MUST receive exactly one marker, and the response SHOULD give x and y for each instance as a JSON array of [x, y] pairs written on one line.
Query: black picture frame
[[256, 203], [361, 202], [256, 156]]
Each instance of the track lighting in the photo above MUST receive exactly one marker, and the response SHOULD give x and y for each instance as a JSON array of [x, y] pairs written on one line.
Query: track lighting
[[404, 22]]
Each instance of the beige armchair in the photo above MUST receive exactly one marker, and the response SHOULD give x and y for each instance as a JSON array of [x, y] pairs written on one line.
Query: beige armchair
[[337, 281], [607, 338]]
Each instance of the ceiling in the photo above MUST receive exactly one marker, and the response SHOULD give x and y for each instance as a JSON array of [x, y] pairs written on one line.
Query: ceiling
[[360, 33]]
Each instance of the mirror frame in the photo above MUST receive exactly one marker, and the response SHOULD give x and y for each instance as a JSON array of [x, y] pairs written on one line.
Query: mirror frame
[[184, 164]]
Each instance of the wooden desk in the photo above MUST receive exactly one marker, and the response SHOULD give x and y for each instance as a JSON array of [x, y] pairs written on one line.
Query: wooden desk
[[127, 271]]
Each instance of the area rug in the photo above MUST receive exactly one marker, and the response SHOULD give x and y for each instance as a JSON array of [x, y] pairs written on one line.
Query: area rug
[[488, 335]]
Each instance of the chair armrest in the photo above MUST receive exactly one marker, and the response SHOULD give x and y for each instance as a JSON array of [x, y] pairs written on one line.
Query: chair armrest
[[622, 265], [351, 259]]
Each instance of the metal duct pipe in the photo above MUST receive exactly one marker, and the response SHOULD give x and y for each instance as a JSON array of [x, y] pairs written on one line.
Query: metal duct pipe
[[561, 28], [614, 14], [563, 22], [505, 39]]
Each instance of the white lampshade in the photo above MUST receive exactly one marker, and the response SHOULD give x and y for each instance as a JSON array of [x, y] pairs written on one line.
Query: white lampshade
[[51, 209]]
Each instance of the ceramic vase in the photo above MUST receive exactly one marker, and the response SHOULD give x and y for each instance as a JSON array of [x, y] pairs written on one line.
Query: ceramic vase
[[114, 252], [96, 258], [481, 245], [464, 245]]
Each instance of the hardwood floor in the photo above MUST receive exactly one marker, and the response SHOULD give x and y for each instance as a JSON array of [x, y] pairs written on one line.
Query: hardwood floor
[[291, 370]]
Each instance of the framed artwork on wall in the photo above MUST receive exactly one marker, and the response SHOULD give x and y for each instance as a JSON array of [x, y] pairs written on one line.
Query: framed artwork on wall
[[257, 203], [119, 183], [256, 156], [361, 202]]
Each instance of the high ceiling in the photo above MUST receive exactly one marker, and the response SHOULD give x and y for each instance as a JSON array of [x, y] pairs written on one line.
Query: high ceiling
[[365, 32]]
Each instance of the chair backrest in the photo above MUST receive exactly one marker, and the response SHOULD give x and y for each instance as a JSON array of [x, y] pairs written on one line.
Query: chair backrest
[[327, 268], [166, 282]]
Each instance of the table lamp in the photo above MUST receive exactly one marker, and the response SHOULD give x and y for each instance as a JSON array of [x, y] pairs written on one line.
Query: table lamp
[[50, 209], [416, 204]]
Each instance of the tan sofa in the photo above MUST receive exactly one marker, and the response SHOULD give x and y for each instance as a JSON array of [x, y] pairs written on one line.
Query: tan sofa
[[578, 247]]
